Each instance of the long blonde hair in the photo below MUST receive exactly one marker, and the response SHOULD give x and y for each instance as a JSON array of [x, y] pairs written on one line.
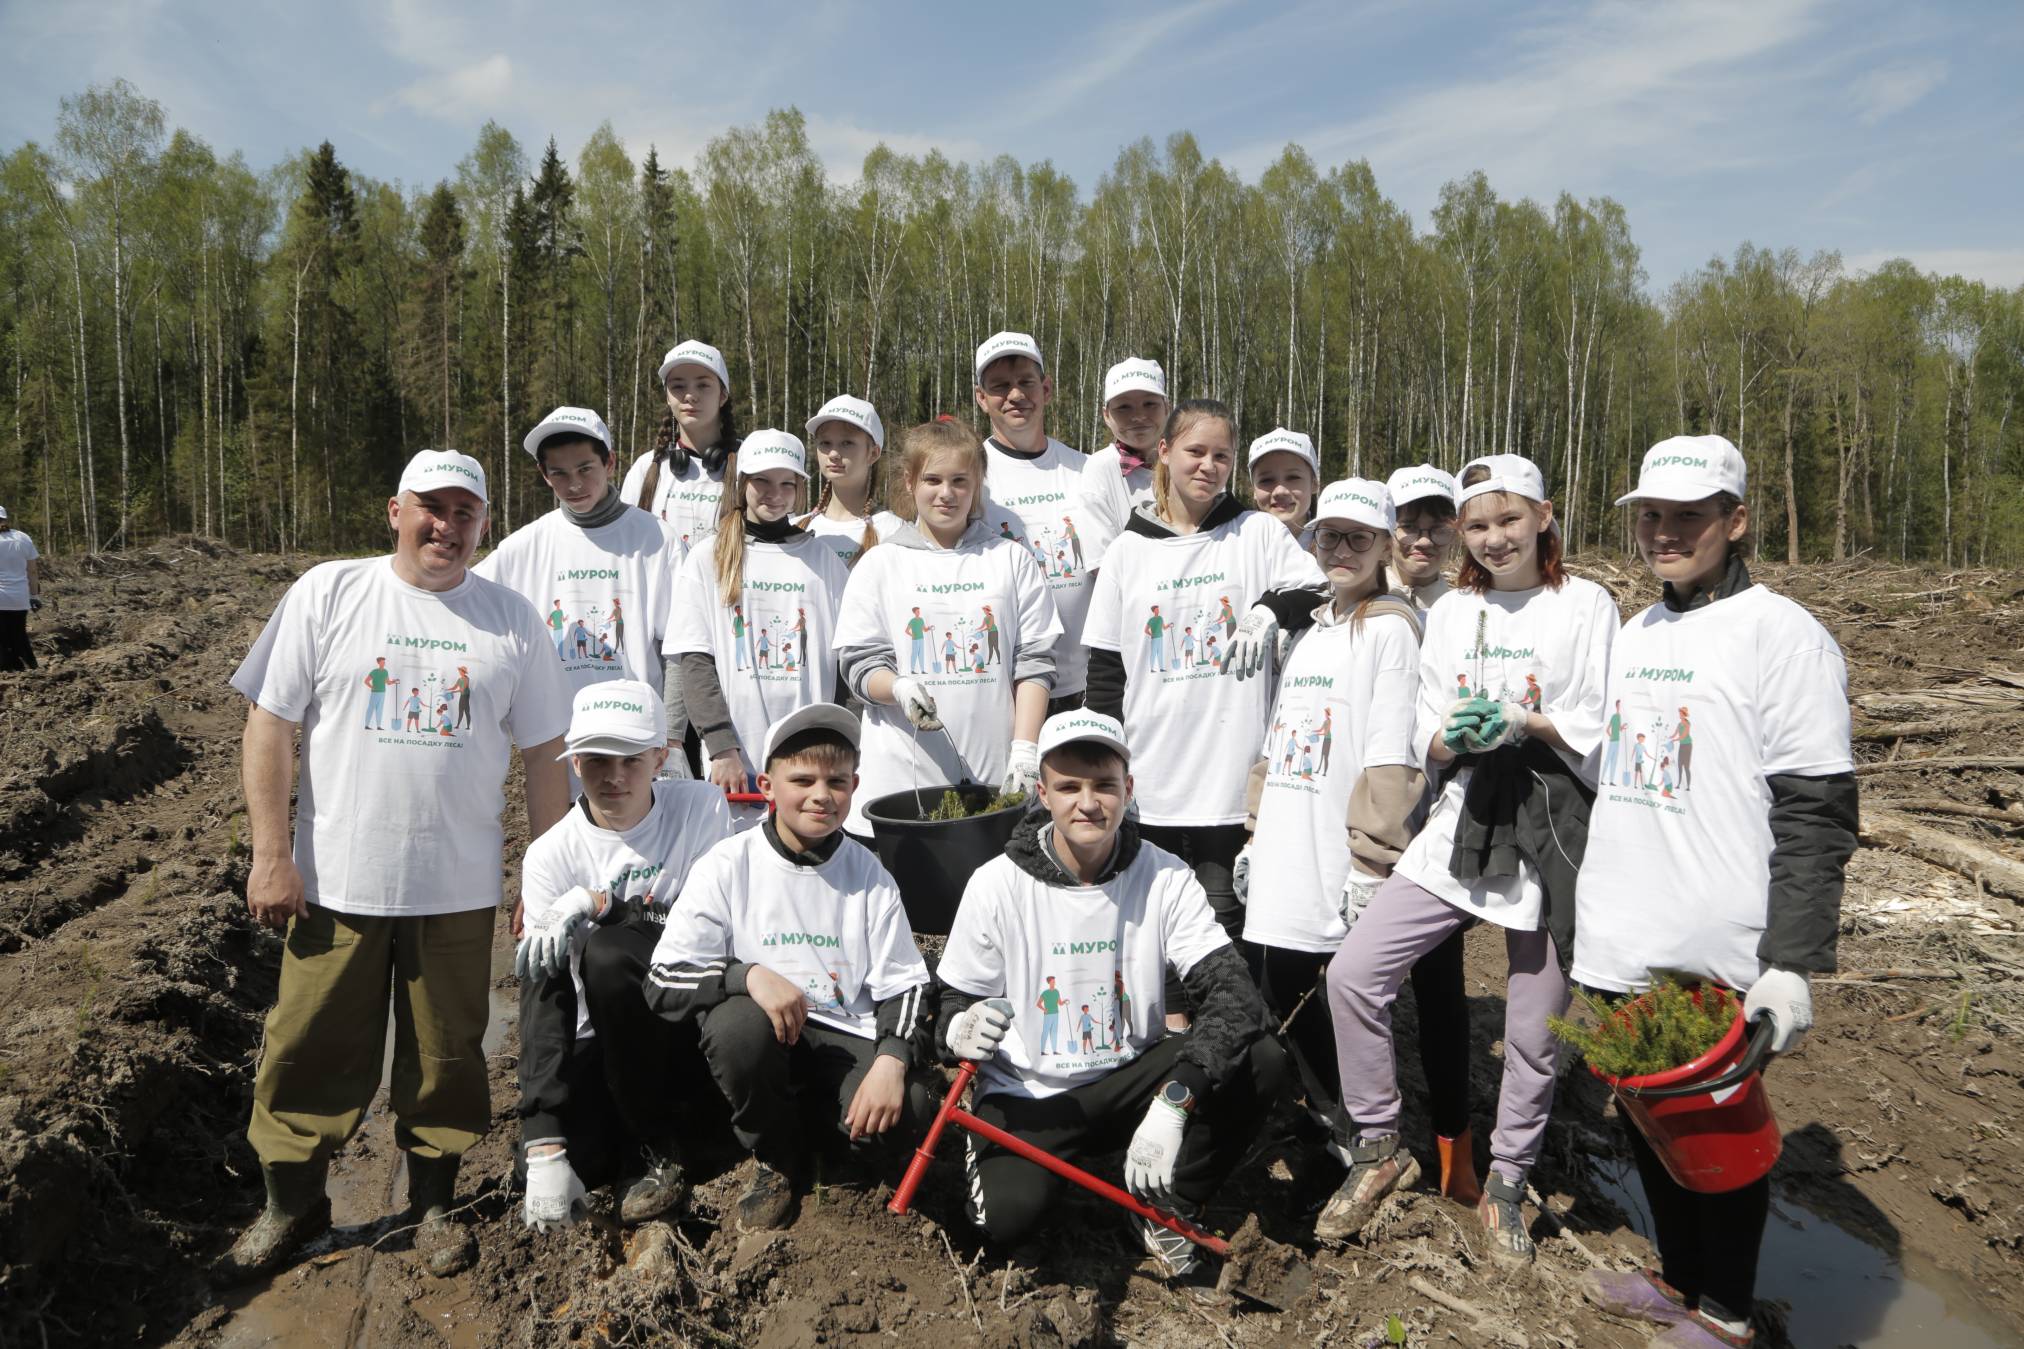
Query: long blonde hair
[[729, 548], [918, 445]]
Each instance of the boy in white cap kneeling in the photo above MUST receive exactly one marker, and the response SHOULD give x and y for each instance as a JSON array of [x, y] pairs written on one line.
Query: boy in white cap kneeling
[[600, 1074], [791, 951], [1054, 980]]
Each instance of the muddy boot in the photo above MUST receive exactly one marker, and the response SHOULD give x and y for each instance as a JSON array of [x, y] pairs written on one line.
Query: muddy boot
[[1502, 1210], [1458, 1168], [662, 1187], [297, 1212], [1639, 1293], [1378, 1167], [767, 1203], [445, 1245]]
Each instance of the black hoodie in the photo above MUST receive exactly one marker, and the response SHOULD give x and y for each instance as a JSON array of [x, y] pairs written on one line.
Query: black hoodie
[[1228, 1013]]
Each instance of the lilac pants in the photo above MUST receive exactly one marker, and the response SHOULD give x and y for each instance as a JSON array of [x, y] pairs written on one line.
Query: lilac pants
[[1402, 924]]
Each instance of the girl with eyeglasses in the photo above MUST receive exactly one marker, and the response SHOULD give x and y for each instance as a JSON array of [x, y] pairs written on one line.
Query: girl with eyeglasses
[[1424, 498]]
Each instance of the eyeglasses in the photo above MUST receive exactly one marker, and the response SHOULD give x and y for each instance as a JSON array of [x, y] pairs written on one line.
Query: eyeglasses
[[1443, 532], [1359, 540]]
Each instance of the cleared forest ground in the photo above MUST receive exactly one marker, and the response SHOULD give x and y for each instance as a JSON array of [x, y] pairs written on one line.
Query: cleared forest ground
[[134, 985]]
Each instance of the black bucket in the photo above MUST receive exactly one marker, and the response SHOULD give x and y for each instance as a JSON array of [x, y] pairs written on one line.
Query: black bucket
[[932, 860]]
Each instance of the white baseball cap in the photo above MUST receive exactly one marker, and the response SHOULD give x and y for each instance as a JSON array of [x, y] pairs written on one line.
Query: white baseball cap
[[693, 352], [1418, 482], [764, 451], [1065, 728], [1001, 345], [854, 411], [433, 469], [577, 421], [1512, 473], [3, 512], [1689, 468], [1356, 501], [1133, 374], [813, 717], [619, 717], [1279, 440]]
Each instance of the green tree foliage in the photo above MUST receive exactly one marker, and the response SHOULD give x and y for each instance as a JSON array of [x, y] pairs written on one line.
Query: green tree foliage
[[187, 345]]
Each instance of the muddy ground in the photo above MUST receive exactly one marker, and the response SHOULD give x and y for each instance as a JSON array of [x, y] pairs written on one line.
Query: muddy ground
[[133, 986]]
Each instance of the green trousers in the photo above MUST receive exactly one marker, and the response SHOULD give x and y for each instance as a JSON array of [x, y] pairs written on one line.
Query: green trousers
[[326, 1036]]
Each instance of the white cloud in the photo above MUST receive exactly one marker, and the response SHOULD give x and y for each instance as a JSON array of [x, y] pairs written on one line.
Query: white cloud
[[1892, 89], [462, 93], [2003, 267], [842, 146]]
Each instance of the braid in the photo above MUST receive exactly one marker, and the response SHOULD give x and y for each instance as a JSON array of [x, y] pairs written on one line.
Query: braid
[[664, 436]]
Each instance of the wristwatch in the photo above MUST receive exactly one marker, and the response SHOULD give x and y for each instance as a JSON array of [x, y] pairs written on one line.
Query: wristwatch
[[1177, 1095]]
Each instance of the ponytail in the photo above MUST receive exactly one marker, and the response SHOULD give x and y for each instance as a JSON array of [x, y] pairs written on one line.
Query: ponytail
[[729, 549]]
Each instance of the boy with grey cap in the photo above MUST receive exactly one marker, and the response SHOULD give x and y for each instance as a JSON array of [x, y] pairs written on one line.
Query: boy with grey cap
[[391, 887]]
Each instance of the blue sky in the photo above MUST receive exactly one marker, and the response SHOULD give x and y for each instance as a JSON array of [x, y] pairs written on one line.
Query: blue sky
[[1878, 128]]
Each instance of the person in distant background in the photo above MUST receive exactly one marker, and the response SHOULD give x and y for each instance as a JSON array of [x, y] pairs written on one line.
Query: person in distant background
[[20, 594]]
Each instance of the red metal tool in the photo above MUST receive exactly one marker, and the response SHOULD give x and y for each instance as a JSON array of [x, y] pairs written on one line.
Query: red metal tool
[[952, 1113], [746, 798]]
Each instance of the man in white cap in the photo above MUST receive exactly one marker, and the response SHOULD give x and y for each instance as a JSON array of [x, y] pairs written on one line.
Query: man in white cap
[[791, 950], [390, 888], [1425, 499], [1079, 921], [20, 594], [1036, 481], [592, 560], [1120, 475], [605, 1085]]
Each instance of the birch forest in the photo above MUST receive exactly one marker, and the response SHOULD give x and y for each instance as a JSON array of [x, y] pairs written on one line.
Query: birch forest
[[193, 344]]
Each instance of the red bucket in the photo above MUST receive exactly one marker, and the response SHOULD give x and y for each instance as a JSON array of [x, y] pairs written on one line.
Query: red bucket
[[1709, 1121]]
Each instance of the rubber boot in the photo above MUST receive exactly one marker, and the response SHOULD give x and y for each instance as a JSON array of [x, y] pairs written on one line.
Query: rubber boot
[[1458, 1168], [297, 1212], [445, 1245]]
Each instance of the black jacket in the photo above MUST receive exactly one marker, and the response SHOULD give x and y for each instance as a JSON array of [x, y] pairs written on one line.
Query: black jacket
[[1228, 1013], [1523, 801]]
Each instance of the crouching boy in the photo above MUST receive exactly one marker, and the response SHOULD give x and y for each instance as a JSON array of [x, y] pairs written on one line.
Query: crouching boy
[[604, 1082], [1075, 927], [791, 950]]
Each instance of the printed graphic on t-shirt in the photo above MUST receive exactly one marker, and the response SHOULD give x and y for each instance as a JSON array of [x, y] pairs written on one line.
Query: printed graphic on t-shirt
[[420, 692], [813, 961], [1085, 1009], [769, 631], [949, 636], [1500, 673], [1056, 547], [1188, 627], [586, 620], [1648, 745], [1300, 743]]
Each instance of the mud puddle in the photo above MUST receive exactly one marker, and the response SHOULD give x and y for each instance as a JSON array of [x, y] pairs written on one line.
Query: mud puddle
[[1841, 1289]]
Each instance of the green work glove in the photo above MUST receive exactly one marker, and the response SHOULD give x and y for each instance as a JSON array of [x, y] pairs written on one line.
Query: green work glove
[[1465, 718]]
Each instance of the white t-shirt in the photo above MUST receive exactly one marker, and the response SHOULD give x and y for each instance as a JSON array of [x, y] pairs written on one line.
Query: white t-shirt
[[837, 931], [1108, 498], [1169, 607], [17, 550], [1083, 966], [775, 648], [846, 537], [1044, 494], [1548, 649], [1346, 703], [603, 592], [647, 864], [409, 700], [958, 621], [687, 502], [1703, 707]]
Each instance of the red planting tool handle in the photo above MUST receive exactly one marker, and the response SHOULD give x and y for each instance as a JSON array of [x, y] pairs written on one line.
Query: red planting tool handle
[[745, 798], [963, 1119]]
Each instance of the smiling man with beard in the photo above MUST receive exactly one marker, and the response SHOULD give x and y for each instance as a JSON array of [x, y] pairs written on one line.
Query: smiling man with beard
[[368, 921]]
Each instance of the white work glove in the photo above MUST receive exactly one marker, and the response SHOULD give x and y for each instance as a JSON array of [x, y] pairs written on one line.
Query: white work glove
[[913, 699], [545, 949], [1257, 637], [1357, 890], [1787, 999], [977, 1029], [553, 1192], [1149, 1162], [1022, 767], [1240, 874]]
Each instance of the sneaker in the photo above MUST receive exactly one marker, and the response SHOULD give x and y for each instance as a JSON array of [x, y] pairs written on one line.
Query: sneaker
[[1698, 1332], [662, 1187], [767, 1203], [1378, 1167], [1502, 1210], [1639, 1294], [1177, 1256]]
